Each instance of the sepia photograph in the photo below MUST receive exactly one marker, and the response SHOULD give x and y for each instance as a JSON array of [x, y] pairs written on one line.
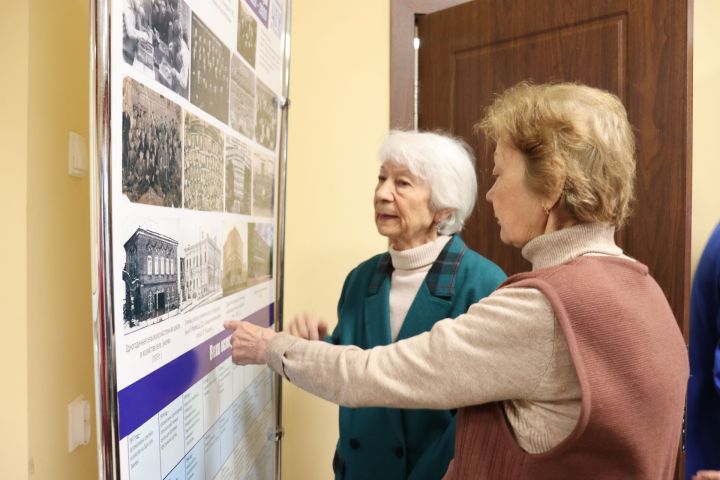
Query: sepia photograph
[[263, 182], [150, 275], [246, 34], [151, 146], [238, 177], [200, 271], [202, 166], [210, 71], [260, 248], [242, 98], [156, 41], [266, 123], [235, 264]]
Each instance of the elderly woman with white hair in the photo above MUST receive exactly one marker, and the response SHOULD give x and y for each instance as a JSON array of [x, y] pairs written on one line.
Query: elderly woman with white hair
[[426, 189]]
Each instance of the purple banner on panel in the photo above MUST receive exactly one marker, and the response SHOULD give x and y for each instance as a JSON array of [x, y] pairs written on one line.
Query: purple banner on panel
[[261, 9], [139, 402]]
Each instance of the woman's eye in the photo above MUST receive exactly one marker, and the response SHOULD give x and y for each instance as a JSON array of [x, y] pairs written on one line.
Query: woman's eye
[[403, 183]]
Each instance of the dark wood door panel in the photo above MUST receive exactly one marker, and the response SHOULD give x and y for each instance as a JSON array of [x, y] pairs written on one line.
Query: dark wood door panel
[[637, 49], [551, 55]]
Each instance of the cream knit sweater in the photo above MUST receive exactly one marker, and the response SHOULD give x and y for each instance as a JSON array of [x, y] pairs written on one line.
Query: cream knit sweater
[[508, 347], [410, 267]]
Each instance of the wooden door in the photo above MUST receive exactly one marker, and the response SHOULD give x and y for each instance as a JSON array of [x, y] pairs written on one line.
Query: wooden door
[[637, 49]]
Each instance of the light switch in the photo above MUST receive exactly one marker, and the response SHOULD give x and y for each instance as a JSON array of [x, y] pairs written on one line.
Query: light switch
[[78, 423], [77, 155]]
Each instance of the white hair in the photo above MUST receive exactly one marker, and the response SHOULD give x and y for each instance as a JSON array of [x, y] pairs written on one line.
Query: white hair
[[445, 163]]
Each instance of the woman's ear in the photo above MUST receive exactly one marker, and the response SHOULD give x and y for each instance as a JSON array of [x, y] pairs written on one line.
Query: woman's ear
[[556, 196], [441, 215]]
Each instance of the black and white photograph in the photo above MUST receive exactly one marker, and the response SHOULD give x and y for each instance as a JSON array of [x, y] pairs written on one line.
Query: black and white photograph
[[202, 166], [200, 271], [246, 34], [238, 176], [210, 71], [150, 275], [151, 146], [156, 39], [235, 264], [266, 123], [242, 98], [263, 182], [171, 26], [138, 35], [260, 248]]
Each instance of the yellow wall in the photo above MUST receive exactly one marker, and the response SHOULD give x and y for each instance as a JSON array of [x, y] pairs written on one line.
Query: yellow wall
[[339, 92], [60, 354], [13, 201], [706, 107], [339, 84]]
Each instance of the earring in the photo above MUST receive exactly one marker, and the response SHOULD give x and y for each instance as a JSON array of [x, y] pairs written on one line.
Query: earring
[[546, 210]]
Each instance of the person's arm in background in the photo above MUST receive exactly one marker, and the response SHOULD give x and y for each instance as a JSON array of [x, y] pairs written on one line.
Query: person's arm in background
[[707, 475]]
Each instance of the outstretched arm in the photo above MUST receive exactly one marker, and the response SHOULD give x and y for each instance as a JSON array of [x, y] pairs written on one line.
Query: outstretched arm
[[498, 350]]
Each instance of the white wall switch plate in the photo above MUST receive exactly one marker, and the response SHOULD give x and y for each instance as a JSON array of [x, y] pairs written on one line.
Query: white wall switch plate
[[77, 155], [78, 423]]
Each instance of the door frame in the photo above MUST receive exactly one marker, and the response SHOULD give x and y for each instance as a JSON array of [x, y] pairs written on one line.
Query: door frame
[[402, 56]]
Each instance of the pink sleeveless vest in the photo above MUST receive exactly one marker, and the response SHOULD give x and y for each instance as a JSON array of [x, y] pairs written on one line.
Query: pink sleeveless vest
[[631, 361]]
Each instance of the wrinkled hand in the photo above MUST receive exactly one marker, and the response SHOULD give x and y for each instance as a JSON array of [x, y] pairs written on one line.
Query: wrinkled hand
[[309, 326], [249, 342], [707, 475]]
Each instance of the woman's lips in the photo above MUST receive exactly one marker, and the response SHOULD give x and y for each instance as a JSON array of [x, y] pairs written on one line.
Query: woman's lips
[[384, 216]]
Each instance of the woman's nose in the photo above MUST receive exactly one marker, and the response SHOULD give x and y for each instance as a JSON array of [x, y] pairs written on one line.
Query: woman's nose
[[383, 192], [489, 194]]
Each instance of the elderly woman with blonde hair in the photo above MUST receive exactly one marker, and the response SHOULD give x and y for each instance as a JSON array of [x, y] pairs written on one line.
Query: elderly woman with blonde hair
[[575, 369]]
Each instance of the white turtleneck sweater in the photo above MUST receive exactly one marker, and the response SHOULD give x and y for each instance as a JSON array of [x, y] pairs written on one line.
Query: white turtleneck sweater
[[410, 267], [508, 347]]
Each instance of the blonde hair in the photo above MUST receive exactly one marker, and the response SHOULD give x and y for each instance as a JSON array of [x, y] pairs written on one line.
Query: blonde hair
[[576, 139]]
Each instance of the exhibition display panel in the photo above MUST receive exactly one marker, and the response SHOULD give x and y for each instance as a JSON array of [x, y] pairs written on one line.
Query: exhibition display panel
[[189, 129]]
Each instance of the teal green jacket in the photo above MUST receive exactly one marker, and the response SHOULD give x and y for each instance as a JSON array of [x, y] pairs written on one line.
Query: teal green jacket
[[398, 444]]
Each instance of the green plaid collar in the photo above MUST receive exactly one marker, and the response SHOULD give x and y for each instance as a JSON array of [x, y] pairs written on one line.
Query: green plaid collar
[[440, 280]]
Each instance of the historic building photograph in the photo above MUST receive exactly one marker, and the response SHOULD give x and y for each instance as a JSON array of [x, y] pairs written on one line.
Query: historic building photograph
[[238, 176], [263, 174], [151, 278], [235, 268], [260, 250], [201, 271]]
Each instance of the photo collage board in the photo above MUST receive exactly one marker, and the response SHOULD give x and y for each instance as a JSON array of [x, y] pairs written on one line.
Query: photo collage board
[[193, 194]]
